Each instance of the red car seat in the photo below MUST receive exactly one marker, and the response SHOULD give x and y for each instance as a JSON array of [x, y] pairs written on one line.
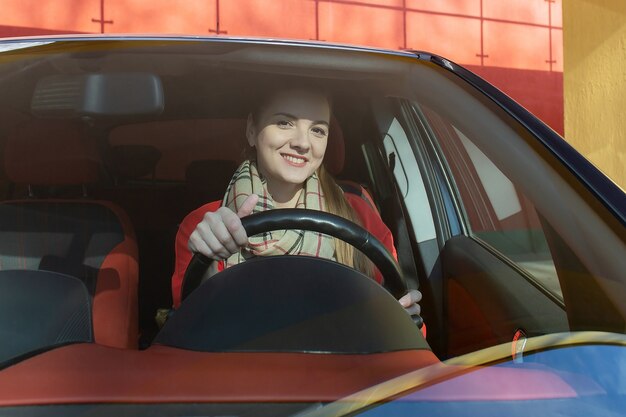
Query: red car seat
[[48, 230], [334, 161]]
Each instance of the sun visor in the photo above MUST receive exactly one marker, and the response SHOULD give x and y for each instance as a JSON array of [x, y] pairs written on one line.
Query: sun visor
[[106, 94]]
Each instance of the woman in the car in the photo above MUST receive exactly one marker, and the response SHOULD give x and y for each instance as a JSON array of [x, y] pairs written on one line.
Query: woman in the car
[[288, 134]]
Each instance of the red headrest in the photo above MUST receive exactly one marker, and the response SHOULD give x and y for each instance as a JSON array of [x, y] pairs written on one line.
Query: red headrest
[[51, 152], [336, 148], [181, 142]]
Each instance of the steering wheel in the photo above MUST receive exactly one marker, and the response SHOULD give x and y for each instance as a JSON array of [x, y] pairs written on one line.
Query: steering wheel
[[316, 221]]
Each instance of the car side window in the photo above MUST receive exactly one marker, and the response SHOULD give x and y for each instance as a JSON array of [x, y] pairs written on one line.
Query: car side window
[[496, 211]]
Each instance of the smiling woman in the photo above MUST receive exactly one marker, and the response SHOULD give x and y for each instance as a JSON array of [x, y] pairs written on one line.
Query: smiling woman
[[288, 135]]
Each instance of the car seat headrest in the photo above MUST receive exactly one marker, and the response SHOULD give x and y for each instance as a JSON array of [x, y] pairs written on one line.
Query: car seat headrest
[[207, 139], [181, 142], [51, 152], [204, 173], [133, 161], [335, 151]]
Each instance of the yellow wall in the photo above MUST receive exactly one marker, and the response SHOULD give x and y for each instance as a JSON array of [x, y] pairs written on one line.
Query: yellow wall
[[594, 82]]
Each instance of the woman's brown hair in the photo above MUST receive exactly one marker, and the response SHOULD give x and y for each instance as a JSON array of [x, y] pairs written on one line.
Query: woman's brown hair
[[337, 204]]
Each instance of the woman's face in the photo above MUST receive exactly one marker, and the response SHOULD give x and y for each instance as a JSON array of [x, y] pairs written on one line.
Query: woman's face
[[290, 136]]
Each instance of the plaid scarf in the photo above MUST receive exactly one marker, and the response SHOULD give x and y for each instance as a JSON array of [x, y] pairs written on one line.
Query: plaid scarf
[[246, 181]]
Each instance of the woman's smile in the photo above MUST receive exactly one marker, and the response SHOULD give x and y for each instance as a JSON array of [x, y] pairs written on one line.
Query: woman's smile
[[295, 160]]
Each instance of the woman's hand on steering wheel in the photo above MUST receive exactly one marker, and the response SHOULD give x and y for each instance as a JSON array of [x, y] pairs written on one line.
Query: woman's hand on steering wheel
[[221, 234]]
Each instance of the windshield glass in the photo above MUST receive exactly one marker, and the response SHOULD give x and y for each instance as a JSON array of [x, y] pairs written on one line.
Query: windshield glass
[[118, 155]]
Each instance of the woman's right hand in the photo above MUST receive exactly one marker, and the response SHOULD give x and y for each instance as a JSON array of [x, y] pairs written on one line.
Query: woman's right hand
[[220, 233]]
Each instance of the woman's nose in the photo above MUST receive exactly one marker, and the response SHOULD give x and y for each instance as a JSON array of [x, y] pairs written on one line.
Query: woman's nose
[[300, 139]]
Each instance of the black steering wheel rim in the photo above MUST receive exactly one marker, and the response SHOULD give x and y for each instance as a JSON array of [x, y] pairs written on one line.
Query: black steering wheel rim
[[316, 221]]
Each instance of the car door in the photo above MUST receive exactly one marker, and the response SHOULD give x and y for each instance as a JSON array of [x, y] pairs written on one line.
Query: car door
[[526, 246], [499, 275], [491, 277]]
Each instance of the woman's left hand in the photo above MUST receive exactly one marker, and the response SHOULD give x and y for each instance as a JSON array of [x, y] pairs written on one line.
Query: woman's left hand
[[410, 302]]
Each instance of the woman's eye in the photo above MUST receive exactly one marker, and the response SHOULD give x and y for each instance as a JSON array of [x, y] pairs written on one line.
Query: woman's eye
[[283, 123], [320, 131]]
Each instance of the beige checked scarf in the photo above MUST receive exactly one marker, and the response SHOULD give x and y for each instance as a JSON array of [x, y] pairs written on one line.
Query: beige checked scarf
[[247, 181]]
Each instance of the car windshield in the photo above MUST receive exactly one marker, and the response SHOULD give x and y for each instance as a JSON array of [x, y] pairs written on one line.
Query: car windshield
[[111, 147]]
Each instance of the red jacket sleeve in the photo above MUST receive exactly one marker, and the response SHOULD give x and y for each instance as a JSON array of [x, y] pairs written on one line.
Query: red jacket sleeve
[[182, 252], [371, 221]]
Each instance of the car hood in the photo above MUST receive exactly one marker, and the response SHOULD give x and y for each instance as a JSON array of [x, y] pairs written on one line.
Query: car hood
[[563, 374]]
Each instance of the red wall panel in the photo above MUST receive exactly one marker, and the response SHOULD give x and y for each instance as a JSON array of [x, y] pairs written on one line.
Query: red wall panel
[[59, 15], [454, 37], [461, 7], [527, 11], [284, 19], [517, 46], [360, 24], [159, 16], [556, 12], [397, 4], [557, 50], [541, 92]]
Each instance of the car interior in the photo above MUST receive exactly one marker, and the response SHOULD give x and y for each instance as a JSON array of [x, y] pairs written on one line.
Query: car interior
[[100, 197], [96, 188]]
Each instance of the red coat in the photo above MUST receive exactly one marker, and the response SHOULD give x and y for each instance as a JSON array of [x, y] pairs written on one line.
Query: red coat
[[370, 220]]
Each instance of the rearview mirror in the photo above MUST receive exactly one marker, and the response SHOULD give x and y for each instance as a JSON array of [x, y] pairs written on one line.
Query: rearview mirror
[[103, 94]]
